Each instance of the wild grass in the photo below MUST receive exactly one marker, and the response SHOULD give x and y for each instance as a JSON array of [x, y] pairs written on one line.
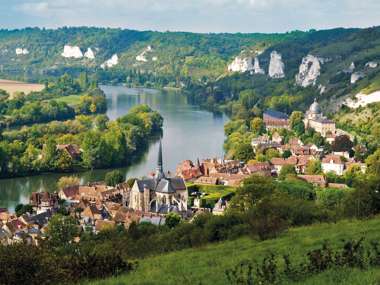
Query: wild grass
[[207, 265]]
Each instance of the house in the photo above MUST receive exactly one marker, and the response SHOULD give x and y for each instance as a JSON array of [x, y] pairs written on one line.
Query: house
[[337, 185], [43, 201], [302, 162], [188, 171], [127, 216], [70, 194], [93, 213], [153, 219], [277, 138], [278, 162], [72, 150], [316, 180], [39, 220], [260, 168], [228, 179], [207, 180], [333, 163], [160, 193], [275, 120]]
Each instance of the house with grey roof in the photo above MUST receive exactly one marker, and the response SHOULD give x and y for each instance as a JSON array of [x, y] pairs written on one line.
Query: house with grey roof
[[160, 193]]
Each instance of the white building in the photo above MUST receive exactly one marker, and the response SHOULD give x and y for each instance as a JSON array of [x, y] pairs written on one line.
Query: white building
[[333, 163]]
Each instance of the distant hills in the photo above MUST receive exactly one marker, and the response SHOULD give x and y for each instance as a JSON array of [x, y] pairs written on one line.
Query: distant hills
[[332, 63]]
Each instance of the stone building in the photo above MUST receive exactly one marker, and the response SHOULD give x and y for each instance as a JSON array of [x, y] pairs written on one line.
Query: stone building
[[314, 119], [160, 193]]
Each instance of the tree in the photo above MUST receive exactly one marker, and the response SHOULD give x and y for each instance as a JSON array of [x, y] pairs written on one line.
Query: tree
[[373, 163], [257, 126], [313, 166], [64, 161], [244, 152], [253, 190], [21, 209], [271, 153], [61, 230], [131, 181], [342, 143], [114, 177], [287, 170], [286, 154], [67, 181], [296, 122], [172, 220]]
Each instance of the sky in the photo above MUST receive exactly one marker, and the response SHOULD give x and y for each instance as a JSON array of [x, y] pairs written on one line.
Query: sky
[[192, 15]]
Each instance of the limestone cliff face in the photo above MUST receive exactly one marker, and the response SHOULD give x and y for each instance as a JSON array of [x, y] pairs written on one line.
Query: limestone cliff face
[[71, 52], [356, 76], [371, 64], [241, 64], [309, 71], [142, 56], [256, 67], [89, 54], [276, 65], [114, 60]]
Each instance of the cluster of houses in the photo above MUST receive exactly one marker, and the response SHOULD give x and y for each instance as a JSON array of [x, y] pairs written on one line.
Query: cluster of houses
[[97, 206]]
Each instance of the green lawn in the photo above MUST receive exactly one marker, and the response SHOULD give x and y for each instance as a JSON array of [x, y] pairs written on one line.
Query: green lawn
[[213, 192], [71, 100], [208, 264]]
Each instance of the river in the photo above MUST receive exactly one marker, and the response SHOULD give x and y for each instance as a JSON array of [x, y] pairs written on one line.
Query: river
[[188, 133]]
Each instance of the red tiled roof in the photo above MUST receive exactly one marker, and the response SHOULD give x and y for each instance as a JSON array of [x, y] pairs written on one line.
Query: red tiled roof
[[336, 159]]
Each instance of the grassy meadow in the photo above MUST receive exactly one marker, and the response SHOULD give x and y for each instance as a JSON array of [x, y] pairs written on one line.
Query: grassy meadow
[[207, 265], [12, 87]]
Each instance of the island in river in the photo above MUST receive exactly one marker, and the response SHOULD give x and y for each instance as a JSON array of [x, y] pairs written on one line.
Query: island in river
[[188, 133]]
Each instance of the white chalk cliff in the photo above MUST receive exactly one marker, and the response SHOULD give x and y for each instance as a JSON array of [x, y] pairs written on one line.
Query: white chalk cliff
[[309, 71], [89, 54], [256, 67], [114, 60], [371, 64], [71, 52], [362, 99], [241, 64], [21, 51], [356, 76], [276, 65], [142, 56]]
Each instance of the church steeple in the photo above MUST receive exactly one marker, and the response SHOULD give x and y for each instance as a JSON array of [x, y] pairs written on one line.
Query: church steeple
[[160, 168]]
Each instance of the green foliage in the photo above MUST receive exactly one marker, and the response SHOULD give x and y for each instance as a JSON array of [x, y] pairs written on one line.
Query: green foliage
[[114, 177], [286, 171], [313, 167], [172, 220], [22, 209], [62, 230]]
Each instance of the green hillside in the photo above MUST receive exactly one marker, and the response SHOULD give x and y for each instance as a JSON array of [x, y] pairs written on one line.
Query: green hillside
[[207, 265]]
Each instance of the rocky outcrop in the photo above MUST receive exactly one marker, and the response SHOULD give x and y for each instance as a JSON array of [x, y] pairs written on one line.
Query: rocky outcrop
[[114, 60], [256, 67], [155, 58], [142, 56], [71, 52], [371, 64], [356, 76], [22, 51], [309, 71], [241, 64], [89, 54], [322, 89], [276, 66]]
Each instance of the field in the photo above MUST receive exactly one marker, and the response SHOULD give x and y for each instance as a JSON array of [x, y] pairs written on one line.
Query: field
[[11, 86], [71, 100], [212, 193], [207, 265]]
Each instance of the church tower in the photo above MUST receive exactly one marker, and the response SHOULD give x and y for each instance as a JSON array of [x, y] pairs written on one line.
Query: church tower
[[160, 169]]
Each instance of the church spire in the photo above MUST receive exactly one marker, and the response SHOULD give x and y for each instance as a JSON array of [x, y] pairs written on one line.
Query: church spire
[[160, 168]]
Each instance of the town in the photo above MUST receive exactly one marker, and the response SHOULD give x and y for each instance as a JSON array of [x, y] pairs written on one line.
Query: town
[[204, 186]]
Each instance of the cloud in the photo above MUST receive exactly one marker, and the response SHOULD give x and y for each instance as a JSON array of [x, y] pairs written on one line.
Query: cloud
[[192, 15]]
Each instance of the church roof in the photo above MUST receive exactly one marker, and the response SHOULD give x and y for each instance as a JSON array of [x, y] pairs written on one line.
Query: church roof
[[315, 108]]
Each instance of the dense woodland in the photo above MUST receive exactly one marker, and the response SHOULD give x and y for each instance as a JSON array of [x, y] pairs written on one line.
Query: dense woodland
[[33, 125]]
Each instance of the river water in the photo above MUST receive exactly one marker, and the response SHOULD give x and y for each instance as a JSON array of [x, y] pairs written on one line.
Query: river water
[[188, 133]]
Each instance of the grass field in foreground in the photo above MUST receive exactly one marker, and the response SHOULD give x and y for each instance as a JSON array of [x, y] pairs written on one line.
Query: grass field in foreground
[[208, 264], [11, 86]]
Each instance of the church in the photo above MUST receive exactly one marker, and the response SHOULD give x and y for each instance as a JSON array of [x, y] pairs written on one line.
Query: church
[[160, 193], [314, 119]]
